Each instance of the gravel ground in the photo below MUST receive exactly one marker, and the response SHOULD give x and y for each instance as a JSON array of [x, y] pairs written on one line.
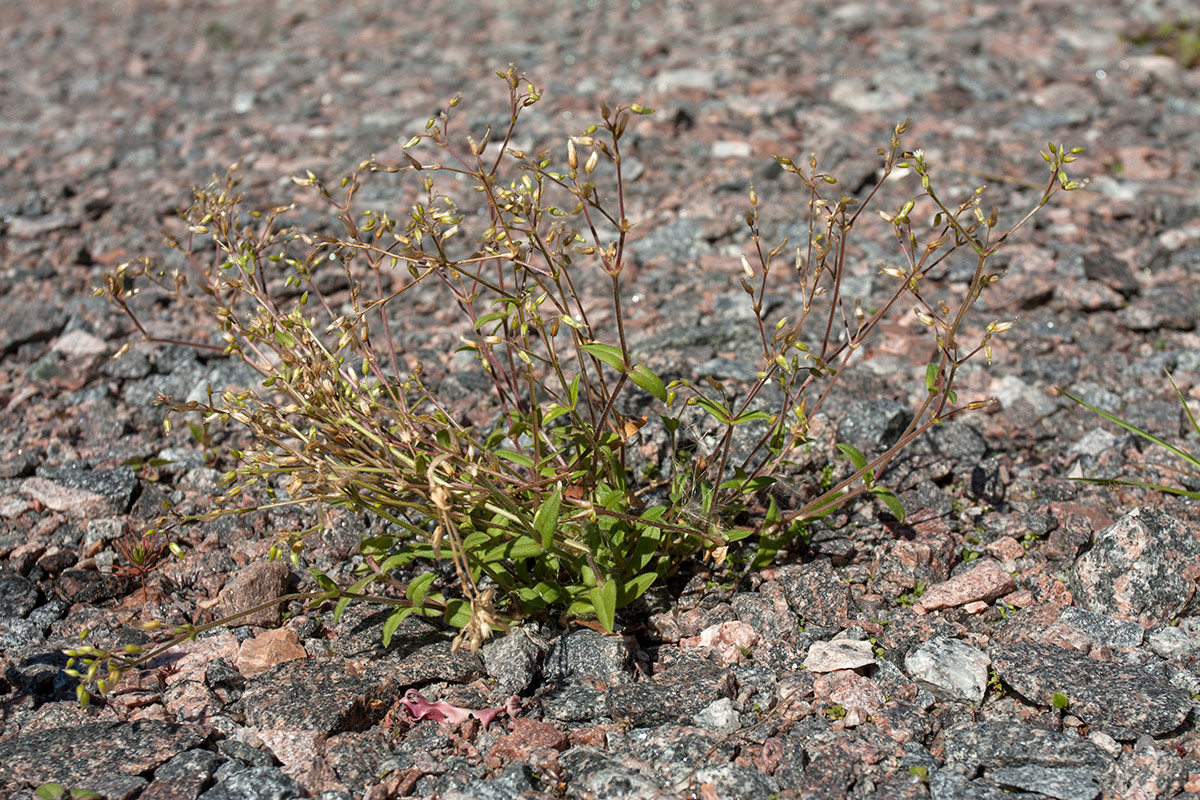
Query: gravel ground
[[929, 659]]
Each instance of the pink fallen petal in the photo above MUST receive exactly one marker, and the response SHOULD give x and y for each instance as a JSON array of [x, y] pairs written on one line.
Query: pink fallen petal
[[442, 711]]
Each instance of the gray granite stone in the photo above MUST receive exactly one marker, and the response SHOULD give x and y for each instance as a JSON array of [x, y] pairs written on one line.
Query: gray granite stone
[[585, 653], [950, 669], [1099, 692], [255, 783], [970, 747], [1102, 629], [1136, 569], [81, 755], [1063, 783], [609, 776]]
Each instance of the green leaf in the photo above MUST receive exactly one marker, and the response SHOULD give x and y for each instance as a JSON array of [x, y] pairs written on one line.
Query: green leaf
[[890, 500], [772, 516], [197, 431], [550, 592], [517, 458], [515, 548], [476, 540], [645, 547], [324, 581], [393, 622], [573, 392], [751, 416], [377, 545], [49, 791], [635, 588], [458, 613], [644, 378], [737, 534], [340, 609], [492, 317], [604, 601], [607, 353], [747, 485], [418, 587], [553, 412], [546, 521], [722, 414], [931, 375], [854, 454]]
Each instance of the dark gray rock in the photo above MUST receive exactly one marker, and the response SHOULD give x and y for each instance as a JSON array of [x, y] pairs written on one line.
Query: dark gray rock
[[1064, 783], [1115, 633], [1111, 271], [224, 680], [510, 783], [987, 481], [313, 695], [1172, 307], [255, 783], [678, 749], [86, 586], [676, 694], [817, 594], [18, 594], [197, 764], [609, 776], [117, 787], [1098, 691], [1016, 525], [946, 785], [873, 424], [18, 634], [958, 440], [736, 782], [115, 485], [512, 660], [1137, 569], [358, 757], [574, 702], [81, 755], [585, 653], [23, 322], [680, 240], [48, 613], [453, 775], [971, 747], [419, 650]]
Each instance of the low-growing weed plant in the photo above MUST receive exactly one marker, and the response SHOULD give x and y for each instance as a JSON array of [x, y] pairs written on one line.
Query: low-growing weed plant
[[529, 496]]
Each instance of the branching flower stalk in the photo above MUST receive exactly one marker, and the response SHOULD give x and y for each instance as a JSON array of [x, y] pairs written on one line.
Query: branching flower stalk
[[825, 256]]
